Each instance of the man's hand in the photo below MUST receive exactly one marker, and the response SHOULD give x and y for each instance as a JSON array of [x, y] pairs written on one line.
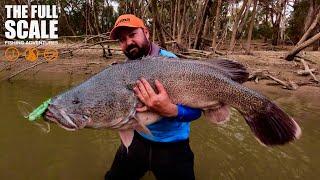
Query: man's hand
[[159, 103]]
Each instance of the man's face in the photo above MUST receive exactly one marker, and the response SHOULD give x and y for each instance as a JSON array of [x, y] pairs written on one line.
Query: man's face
[[134, 42]]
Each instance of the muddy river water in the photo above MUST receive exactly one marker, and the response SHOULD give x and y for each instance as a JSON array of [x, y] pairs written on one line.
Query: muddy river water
[[227, 151]]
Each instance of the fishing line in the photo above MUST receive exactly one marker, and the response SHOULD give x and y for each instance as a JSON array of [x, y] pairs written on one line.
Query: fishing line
[[25, 108], [45, 127]]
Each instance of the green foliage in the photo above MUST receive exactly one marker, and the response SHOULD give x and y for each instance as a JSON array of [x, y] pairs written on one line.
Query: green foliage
[[296, 21], [263, 31], [81, 17]]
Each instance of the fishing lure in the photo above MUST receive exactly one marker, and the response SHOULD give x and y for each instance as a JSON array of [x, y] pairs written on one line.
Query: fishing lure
[[36, 113]]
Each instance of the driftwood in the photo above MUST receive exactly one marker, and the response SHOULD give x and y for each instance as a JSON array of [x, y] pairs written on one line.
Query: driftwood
[[307, 70], [71, 50], [185, 52], [186, 56], [286, 85], [198, 52], [22, 70], [306, 59], [84, 44], [299, 47], [107, 35], [265, 74]]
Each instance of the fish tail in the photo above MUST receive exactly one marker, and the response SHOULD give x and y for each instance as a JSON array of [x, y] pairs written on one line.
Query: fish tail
[[272, 126]]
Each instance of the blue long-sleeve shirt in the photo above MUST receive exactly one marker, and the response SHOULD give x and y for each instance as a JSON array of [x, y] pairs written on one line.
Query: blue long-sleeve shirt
[[173, 129]]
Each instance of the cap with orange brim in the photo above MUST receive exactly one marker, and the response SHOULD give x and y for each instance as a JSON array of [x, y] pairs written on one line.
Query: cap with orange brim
[[126, 20]]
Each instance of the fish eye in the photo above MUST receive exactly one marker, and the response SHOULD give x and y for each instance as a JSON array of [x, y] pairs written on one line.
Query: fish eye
[[76, 101], [85, 117]]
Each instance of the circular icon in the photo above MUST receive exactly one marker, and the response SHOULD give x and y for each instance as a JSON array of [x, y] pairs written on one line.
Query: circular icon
[[31, 54], [12, 53], [50, 54]]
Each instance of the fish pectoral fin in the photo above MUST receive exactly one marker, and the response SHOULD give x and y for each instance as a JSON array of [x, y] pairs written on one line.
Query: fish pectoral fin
[[141, 127], [126, 137], [219, 115], [147, 117]]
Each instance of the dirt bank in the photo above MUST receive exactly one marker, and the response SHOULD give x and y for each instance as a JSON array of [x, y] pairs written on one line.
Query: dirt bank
[[87, 62]]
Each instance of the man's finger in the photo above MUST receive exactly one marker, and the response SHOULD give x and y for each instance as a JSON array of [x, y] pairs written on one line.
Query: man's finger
[[142, 90], [142, 109], [160, 87], [149, 89], [138, 93]]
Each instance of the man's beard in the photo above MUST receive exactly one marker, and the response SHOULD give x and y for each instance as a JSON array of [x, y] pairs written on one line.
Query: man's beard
[[139, 52]]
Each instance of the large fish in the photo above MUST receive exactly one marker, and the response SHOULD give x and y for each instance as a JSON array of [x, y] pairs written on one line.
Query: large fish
[[106, 100]]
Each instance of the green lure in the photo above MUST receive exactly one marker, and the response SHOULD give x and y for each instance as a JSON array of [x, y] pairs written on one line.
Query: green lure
[[36, 113]]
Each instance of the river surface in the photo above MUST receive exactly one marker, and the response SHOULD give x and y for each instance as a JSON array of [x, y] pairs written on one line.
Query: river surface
[[226, 151]]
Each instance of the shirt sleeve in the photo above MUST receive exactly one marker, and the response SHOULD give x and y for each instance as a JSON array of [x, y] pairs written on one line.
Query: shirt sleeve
[[187, 114], [167, 54]]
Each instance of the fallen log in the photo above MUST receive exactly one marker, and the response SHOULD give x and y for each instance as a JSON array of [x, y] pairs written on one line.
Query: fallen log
[[308, 70], [265, 74]]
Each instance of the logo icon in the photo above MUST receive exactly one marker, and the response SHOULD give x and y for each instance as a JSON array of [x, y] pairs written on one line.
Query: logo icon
[[12, 53], [31, 54], [50, 54]]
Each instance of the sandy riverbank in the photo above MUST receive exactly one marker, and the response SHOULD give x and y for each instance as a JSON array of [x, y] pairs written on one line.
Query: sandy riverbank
[[83, 63]]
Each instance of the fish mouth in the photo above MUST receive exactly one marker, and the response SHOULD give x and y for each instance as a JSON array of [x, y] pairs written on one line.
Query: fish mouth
[[70, 122]]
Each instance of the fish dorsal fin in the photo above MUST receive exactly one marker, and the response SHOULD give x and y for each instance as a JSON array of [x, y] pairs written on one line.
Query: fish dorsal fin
[[233, 70]]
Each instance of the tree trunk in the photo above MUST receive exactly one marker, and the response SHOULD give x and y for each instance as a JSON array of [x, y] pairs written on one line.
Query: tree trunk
[[153, 32], [235, 26], [172, 5], [157, 23], [161, 10], [316, 45], [265, 38], [198, 17], [248, 47], [313, 8], [276, 25], [282, 26], [216, 26], [178, 18], [90, 23], [200, 27], [309, 30], [175, 19], [206, 27], [290, 56], [243, 20], [95, 17], [66, 18], [183, 22]]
